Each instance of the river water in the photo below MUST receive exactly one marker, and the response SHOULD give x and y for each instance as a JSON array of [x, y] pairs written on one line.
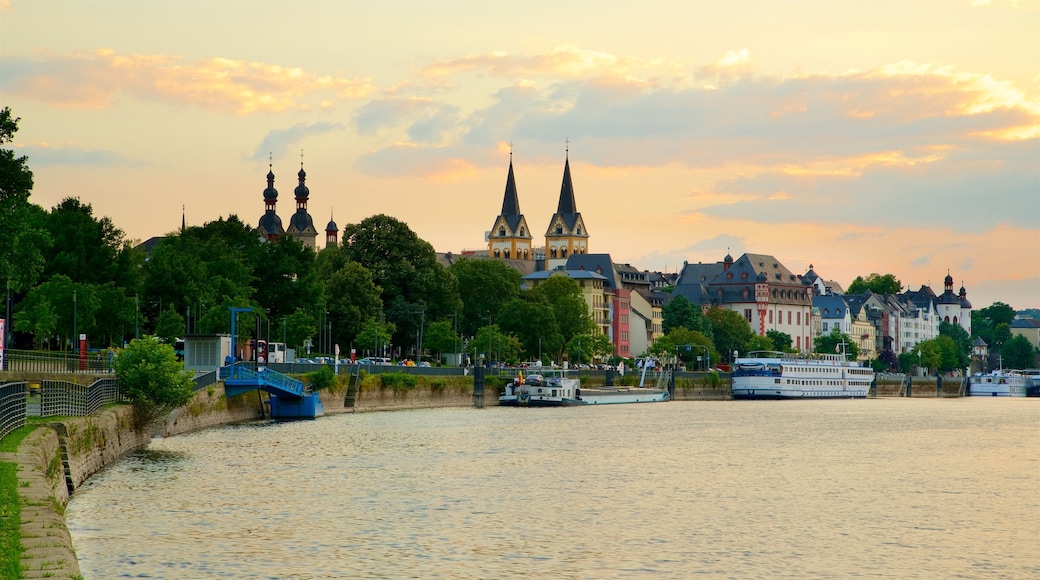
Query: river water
[[892, 488]]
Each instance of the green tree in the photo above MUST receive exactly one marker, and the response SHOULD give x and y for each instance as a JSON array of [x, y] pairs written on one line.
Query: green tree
[[533, 322], [405, 267], [832, 343], [352, 300], [84, 248], [1017, 353], [374, 336], [440, 338], [298, 327], [588, 347], [170, 326], [679, 312], [23, 239], [692, 346], [564, 296], [962, 342], [151, 379], [494, 345], [759, 343], [730, 331], [115, 317], [72, 306], [288, 277], [485, 287], [781, 340], [876, 283]]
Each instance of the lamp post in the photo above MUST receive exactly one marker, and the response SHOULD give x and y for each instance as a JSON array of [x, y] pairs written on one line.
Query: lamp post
[[283, 330]]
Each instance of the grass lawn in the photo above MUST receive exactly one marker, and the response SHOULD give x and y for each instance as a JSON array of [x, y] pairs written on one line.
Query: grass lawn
[[10, 507]]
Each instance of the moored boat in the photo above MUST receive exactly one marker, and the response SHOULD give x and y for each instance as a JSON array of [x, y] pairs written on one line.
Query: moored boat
[[538, 390], [778, 375], [1000, 383]]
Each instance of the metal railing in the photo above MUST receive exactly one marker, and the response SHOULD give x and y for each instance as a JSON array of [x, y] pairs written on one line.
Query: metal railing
[[43, 361], [49, 398], [12, 407]]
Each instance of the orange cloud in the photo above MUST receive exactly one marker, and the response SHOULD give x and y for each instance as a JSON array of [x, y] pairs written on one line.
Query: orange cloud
[[92, 80], [567, 62]]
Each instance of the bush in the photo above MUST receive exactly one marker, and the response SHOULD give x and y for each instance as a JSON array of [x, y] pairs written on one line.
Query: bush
[[151, 379], [399, 382], [322, 378], [437, 384]]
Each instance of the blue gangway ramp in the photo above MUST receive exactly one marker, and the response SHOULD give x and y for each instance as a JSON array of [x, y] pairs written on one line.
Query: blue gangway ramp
[[288, 399]]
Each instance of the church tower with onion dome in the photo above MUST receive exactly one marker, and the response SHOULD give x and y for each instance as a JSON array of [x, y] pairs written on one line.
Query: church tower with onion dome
[[270, 224], [331, 233], [301, 225]]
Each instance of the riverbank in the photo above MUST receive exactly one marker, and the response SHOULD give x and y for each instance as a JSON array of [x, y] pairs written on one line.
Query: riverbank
[[59, 456]]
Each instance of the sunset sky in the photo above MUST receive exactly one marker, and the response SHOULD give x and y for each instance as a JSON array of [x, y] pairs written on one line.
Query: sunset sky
[[875, 136]]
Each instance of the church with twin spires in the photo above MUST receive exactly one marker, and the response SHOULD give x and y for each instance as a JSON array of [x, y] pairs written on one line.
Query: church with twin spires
[[510, 237], [301, 225]]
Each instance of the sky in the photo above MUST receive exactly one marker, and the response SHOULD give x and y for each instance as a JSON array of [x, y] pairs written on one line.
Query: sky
[[894, 137]]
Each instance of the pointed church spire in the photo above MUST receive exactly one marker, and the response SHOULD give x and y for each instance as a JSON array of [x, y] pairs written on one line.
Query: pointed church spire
[[510, 201], [182, 219], [567, 204]]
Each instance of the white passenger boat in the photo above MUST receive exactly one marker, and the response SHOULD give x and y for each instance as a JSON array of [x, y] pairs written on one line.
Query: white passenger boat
[[538, 390], [1000, 383], [778, 375]]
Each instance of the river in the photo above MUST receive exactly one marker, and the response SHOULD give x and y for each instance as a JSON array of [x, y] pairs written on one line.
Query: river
[[893, 488]]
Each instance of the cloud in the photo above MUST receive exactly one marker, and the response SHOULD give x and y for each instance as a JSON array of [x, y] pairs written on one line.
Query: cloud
[[411, 160], [94, 80], [45, 154], [427, 121], [278, 141], [563, 62]]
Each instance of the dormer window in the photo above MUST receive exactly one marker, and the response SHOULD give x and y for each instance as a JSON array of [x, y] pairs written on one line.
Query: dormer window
[[502, 231], [521, 232], [559, 230], [743, 276], [579, 230], [729, 275]]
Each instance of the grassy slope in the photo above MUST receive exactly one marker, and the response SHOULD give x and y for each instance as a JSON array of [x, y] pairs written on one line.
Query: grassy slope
[[10, 507]]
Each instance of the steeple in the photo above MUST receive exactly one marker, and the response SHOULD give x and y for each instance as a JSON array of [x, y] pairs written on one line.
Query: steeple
[[270, 224], [567, 204], [510, 202], [301, 225], [566, 234], [510, 238]]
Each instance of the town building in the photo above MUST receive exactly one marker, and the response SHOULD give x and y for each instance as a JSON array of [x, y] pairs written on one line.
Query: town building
[[759, 287], [1027, 327]]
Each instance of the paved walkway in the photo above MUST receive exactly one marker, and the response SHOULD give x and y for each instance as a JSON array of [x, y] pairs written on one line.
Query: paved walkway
[[46, 541]]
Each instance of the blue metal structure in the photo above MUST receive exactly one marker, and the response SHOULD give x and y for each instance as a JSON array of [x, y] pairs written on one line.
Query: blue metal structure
[[288, 399]]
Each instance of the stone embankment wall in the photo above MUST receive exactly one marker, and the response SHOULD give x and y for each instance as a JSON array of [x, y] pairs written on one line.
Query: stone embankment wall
[[53, 462], [423, 398]]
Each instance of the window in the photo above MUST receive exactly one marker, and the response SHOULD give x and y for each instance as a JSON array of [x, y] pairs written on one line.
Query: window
[[502, 231], [771, 314], [825, 327], [729, 275], [505, 253], [745, 294], [552, 252], [743, 276], [563, 253], [799, 318], [747, 314], [559, 229], [788, 317], [521, 232], [579, 230], [498, 253]]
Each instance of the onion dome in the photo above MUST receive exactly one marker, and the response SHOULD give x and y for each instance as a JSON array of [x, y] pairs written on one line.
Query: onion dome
[[270, 194], [948, 281], [301, 190], [332, 227]]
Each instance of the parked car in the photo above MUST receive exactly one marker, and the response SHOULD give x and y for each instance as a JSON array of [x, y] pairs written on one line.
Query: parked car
[[374, 360]]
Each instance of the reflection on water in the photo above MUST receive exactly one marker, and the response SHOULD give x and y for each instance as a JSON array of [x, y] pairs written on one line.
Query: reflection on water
[[891, 488]]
